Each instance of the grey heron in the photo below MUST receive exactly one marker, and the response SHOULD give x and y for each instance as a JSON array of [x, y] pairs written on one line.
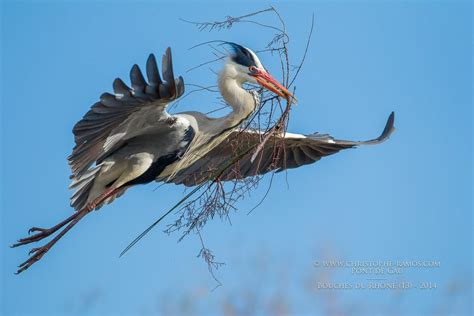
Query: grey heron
[[128, 138]]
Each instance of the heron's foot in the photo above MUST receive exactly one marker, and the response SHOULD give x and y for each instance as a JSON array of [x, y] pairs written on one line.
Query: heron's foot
[[42, 233], [36, 254], [37, 229]]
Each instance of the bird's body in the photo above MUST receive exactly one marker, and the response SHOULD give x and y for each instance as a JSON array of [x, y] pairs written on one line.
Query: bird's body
[[128, 138], [157, 142], [141, 160]]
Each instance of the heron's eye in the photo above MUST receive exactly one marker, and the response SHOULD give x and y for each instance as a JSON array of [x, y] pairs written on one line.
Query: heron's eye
[[253, 69]]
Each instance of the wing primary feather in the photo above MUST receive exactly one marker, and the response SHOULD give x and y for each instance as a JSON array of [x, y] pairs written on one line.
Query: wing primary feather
[[180, 86], [167, 68], [121, 88], [387, 131], [152, 71], [314, 155], [136, 77]]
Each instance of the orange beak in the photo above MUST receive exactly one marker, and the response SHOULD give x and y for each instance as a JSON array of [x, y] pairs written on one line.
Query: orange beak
[[270, 83]]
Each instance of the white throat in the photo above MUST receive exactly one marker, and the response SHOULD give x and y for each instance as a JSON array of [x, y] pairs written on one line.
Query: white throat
[[241, 101]]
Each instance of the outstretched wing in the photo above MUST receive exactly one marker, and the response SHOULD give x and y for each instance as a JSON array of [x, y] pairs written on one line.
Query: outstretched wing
[[278, 153], [125, 114]]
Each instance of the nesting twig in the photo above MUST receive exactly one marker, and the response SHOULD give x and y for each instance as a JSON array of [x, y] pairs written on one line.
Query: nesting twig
[[213, 197]]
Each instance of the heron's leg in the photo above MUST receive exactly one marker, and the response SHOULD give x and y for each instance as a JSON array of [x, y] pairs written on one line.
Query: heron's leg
[[44, 232], [38, 253]]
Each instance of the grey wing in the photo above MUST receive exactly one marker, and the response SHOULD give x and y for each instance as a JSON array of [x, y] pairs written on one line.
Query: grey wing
[[125, 114], [278, 154]]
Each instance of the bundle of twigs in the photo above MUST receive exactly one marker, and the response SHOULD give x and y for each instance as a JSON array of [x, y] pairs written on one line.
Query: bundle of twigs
[[213, 197]]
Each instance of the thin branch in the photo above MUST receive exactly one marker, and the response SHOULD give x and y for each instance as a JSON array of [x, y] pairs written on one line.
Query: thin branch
[[227, 24], [208, 257], [305, 51], [205, 63], [264, 196]]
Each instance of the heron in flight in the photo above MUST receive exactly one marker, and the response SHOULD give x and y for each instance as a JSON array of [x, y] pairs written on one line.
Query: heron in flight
[[128, 138]]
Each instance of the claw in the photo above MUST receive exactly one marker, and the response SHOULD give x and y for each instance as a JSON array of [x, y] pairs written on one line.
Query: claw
[[37, 229], [33, 250], [37, 254], [18, 243]]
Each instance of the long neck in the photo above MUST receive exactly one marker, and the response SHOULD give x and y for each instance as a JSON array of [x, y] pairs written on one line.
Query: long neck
[[241, 101]]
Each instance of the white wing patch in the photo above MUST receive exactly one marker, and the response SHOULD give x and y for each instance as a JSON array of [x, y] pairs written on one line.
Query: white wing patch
[[291, 135]]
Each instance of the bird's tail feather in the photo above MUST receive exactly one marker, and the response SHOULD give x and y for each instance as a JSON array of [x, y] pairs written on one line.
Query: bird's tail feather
[[83, 184]]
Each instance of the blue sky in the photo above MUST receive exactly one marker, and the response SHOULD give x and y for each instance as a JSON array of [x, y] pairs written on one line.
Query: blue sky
[[407, 199]]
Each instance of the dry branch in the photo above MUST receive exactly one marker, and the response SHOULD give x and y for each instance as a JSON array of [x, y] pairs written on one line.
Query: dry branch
[[214, 198]]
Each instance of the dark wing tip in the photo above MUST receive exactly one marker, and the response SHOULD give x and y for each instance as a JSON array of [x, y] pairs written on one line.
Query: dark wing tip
[[387, 131], [389, 128]]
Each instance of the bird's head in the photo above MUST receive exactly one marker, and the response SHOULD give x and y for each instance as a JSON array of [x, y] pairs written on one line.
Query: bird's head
[[245, 66]]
